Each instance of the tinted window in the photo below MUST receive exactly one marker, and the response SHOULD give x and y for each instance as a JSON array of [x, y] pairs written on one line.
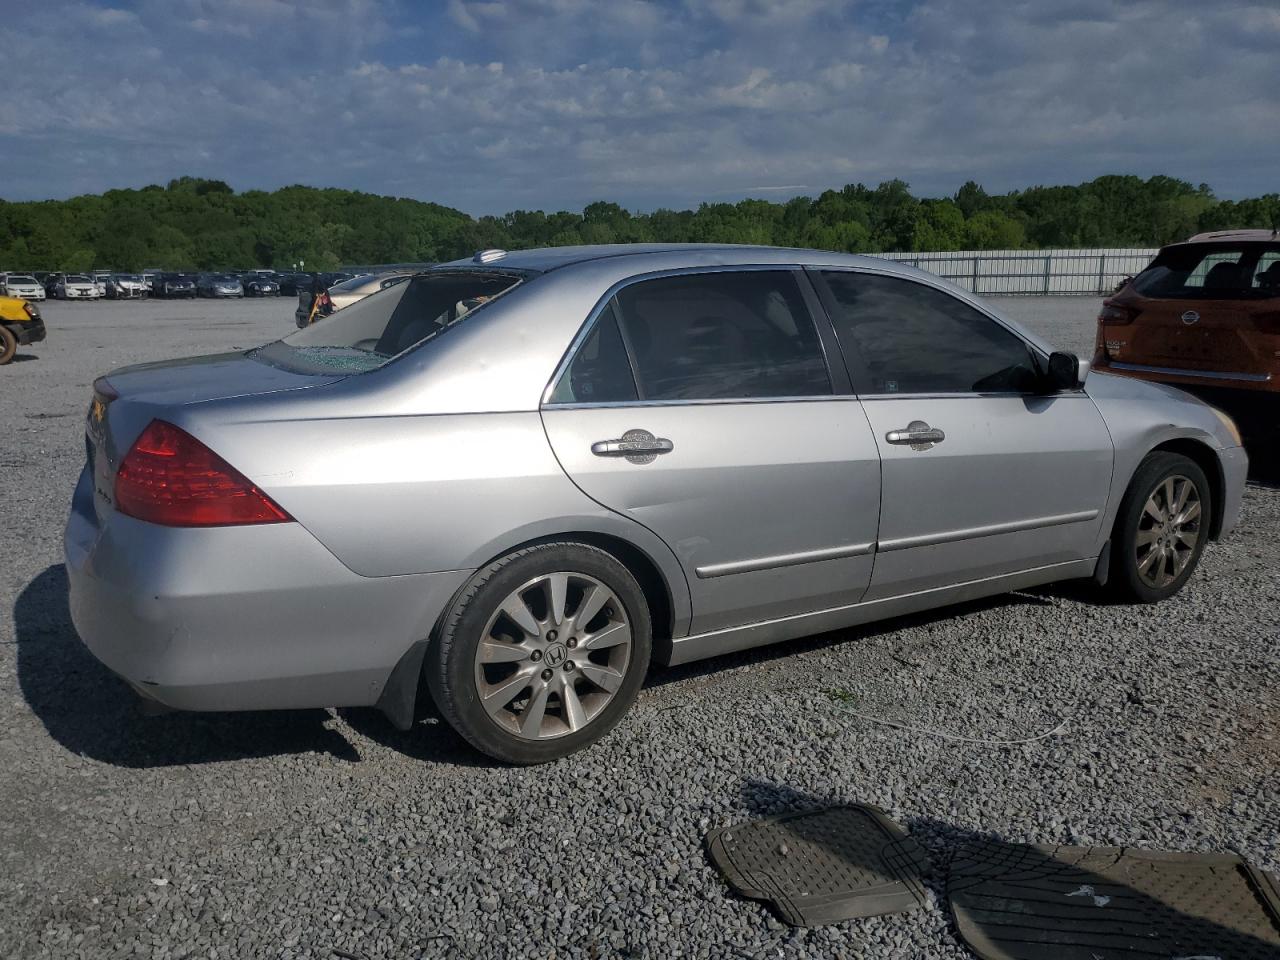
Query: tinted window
[[1266, 275], [1209, 272], [722, 336], [911, 338], [600, 371]]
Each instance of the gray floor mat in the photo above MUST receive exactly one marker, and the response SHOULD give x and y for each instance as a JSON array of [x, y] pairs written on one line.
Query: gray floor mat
[[824, 865], [1015, 902]]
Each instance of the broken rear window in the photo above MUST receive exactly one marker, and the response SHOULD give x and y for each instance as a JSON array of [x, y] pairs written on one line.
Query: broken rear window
[[384, 325]]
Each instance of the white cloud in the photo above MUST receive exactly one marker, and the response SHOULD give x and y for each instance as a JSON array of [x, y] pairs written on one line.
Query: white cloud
[[495, 105]]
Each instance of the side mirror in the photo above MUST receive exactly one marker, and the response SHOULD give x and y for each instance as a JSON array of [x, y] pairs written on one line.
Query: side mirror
[[1065, 372]]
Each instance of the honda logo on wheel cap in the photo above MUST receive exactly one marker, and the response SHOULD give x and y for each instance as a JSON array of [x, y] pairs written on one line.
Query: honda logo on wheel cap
[[1190, 317]]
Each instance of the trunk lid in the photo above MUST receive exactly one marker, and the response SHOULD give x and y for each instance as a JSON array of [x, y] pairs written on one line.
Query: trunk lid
[[126, 400]]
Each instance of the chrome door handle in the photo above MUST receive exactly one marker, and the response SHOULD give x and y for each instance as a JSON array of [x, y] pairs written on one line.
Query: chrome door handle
[[638, 446], [918, 434]]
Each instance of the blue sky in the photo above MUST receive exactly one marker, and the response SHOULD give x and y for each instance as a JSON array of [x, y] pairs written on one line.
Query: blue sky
[[494, 105]]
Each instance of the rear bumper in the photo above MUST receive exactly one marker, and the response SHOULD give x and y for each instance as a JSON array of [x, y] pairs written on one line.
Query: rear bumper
[[239, 618], [1181, 377]]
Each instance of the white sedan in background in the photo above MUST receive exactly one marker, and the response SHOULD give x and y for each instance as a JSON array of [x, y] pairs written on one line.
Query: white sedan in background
[[76, 286], [21, 285]]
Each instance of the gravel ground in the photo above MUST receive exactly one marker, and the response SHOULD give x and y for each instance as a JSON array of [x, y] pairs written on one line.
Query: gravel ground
[[329, 834]]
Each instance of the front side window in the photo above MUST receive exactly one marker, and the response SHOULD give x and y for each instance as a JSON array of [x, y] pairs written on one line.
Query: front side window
[[722, 336], [907, 337]]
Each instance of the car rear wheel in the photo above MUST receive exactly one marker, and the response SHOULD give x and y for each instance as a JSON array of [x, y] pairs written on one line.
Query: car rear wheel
[[1161, 529], [8, 345], [542, 653]]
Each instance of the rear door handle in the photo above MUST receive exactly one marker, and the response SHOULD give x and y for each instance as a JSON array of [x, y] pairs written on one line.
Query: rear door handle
[[916, 433], [638, 446]]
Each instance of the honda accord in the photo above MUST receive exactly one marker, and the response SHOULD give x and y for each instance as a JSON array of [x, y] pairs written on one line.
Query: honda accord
[[524, 477]]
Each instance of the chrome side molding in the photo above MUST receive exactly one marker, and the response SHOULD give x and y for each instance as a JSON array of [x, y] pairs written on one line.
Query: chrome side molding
[[713, 570]]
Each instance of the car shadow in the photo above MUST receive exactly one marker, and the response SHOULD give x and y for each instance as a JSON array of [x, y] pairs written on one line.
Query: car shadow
[[92, 712], [429, 740], [23, 357], [945, 843], [660, 676]]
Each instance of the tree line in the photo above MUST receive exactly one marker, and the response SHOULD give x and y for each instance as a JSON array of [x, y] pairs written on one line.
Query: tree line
[[195, 223]]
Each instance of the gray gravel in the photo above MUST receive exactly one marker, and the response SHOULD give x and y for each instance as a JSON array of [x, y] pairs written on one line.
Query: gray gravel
[[323, 834]]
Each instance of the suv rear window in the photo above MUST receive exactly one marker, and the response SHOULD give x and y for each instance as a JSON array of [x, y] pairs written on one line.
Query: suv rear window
[[385, 324], [1212, 272]]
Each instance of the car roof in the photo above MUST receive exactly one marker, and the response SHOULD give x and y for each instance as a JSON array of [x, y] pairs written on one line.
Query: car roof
[[1217, 236], [545, 259]]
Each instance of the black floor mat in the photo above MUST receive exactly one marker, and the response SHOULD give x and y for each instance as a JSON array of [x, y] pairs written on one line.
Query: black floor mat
[[824, 865], [1015, 902]]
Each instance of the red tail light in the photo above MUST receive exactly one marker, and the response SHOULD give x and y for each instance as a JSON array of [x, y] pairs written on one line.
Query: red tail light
[[1114, 314], [171, 478]]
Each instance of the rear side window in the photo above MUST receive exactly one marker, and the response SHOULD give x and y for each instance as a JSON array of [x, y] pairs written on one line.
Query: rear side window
[[906, 337], [722, 336], [1209, 272], [600, 371], [1266, 275]]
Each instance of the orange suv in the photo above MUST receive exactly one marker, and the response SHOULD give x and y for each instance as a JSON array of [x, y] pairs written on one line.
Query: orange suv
[[1205, 316]]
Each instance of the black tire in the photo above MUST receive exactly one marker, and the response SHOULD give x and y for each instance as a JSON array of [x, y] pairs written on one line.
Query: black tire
[[450, 666], [1126, 581], [8, 345]]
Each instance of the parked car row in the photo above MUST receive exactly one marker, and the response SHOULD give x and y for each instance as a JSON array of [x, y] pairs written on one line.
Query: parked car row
[[112, 285]]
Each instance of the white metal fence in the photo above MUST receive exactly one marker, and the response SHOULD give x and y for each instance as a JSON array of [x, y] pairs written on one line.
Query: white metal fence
[[1033, 272]]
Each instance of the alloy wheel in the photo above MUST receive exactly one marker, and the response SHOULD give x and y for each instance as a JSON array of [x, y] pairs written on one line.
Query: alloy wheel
[[1169, 529], [553, 655]]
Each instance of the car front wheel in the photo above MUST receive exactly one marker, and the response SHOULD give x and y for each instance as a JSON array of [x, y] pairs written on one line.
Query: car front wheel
[[542, 653], [1161, 529]]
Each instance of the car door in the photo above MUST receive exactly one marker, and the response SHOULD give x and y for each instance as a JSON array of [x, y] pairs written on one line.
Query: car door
[[983, 473], [701, 405]]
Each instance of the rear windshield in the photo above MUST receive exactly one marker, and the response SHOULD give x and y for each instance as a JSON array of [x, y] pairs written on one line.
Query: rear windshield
[[385, 324], [1213, 272]]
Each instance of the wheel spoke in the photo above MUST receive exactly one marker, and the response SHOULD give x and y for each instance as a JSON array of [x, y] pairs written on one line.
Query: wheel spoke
[[558, 588], [1167, 487], [605, 678], [1180, 560], [532, 715], [500, 694], [590, 604], [1144, 565], [515, 608], [1153, 510], [496, 651], [610, 636], [1146, 537], [1188, 537], [574, 715], [1191, 513], [1180, 501]]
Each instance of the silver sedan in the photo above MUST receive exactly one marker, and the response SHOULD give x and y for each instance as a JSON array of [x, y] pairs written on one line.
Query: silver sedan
[[525, 477]]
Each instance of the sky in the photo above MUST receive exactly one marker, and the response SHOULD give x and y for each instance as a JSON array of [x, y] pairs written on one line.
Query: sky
[[496, 105]]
